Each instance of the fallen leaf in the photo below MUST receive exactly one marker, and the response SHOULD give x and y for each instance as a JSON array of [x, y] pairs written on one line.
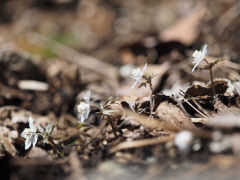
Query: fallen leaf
[[7, 143], [173, 118], [185, 29]]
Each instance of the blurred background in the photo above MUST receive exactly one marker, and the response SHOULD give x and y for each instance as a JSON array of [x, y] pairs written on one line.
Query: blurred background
[[44, 40], [121, 31]]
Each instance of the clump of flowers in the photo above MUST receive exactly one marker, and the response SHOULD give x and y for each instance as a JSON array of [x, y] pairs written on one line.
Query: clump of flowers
[[105, 109], [84, 107], [30, 134], [200, 56]]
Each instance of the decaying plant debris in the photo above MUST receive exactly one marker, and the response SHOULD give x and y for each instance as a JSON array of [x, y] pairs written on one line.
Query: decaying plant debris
[[70, 110]]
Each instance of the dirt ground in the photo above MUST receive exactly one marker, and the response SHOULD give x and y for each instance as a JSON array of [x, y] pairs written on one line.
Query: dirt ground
[[67, 106]]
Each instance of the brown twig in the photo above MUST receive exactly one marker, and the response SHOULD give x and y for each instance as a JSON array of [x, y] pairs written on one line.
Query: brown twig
[[200, 107], [195, 102], [192, 106]]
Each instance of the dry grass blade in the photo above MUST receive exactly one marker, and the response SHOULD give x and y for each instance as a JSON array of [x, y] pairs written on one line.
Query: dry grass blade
[[199, 120], [141, 143], [195, 108]]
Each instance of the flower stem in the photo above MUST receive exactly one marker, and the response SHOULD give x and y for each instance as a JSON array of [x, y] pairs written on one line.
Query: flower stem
[[206, 61], [211, 77], [151, 98], [51, 142]]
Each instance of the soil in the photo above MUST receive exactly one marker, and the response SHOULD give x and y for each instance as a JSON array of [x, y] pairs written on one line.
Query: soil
[[53, 52]]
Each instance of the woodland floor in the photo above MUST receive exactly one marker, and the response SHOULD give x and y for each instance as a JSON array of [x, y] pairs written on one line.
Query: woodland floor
[[53, 51]]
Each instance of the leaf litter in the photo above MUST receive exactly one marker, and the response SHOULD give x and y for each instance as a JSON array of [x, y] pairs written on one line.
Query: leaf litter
[[173, 123]]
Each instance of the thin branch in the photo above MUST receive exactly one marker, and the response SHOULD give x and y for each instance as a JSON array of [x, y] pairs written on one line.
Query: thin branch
[[193, 106]]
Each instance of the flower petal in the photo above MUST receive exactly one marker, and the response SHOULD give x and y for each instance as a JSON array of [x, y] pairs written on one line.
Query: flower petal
[[195, 66], [196, 60], [34, 139], [204, 50], [30, 122], [134, 84], [87, 97], [25, 132], [49, 128], [196, 53], [82, 118], [87, 111], [27, 143], [41, 129]]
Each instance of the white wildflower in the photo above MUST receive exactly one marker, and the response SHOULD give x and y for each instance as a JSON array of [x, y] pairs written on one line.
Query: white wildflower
[[183, 140], [199, 56], [137, 75], [30, 134], [84, 107]]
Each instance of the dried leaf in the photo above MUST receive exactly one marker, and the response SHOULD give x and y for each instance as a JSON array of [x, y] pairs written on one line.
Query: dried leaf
[[151, 123], [7, 143], [37, 152], [136, 104], [185, 29], [173, 118], [197, 90]]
